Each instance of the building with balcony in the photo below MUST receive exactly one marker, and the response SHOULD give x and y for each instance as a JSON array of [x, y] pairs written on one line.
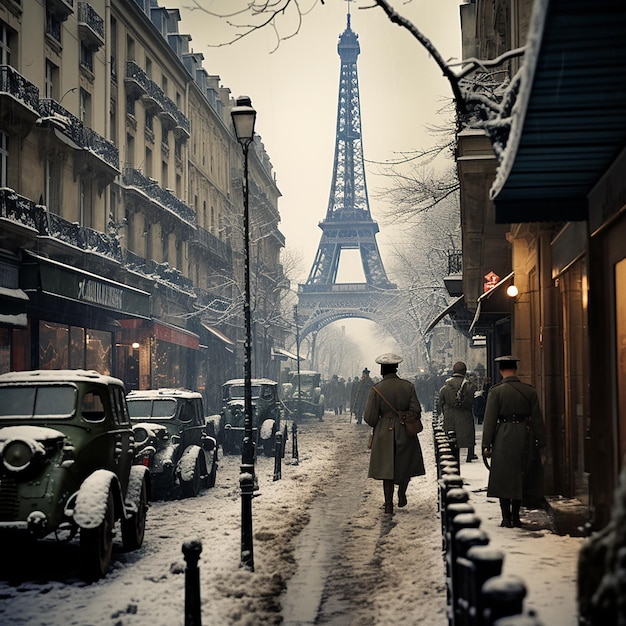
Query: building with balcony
[[117, 198]]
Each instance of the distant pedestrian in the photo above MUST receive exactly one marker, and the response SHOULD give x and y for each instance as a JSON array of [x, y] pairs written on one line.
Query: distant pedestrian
[[480, 400], [395, 457], [456, 398], [513, 436], [361, 395]]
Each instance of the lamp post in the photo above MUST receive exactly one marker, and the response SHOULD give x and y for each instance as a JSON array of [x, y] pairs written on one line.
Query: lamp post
[[244, 116], [295, 317]]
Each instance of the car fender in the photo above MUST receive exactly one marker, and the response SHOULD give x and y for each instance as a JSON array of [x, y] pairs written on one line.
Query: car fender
[[138, 475], [187, 463], [91, 499], [267, 429]]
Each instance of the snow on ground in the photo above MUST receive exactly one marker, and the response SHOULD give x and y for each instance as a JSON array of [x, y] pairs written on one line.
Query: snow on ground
[[352, 565]]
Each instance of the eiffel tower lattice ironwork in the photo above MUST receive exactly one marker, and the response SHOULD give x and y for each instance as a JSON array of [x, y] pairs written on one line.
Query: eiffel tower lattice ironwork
[[348, 223]]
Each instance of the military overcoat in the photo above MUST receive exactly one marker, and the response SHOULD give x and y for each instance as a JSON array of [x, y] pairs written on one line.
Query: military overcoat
[[458, 416], [514, 430], [394, 455]]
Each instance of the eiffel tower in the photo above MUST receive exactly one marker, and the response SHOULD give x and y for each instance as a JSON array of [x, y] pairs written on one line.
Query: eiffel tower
[[348, 223]]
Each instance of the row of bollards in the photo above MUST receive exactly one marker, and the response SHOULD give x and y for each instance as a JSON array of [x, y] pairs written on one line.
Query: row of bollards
[[192, 549], [477, 592]]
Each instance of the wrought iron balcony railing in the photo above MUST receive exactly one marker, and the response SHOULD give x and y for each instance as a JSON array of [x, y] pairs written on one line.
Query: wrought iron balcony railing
[[143, 86], [53, 114], [18, 87], [90, 24], [156, 193], [213, 244], [455, 262]]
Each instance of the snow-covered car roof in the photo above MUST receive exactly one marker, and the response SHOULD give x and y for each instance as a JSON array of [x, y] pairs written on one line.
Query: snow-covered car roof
[[52, 376], [255, 381], [150, 394]]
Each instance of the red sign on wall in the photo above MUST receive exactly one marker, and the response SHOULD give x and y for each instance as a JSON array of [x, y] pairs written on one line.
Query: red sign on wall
[[491, 280]]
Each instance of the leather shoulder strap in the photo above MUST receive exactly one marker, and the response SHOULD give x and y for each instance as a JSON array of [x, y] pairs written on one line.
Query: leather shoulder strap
[[383, 397]]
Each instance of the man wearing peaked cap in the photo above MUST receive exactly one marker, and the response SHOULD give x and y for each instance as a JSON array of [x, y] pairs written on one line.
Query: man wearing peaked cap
[[395, 456], [513, 436], [389, 358]]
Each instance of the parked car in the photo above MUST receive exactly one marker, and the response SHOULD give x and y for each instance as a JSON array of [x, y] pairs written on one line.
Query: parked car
[[174, 441], [66, 453], [302, 395], [266, 414]]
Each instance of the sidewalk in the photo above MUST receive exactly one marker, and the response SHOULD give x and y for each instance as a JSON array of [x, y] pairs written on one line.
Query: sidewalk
[[546, 562]]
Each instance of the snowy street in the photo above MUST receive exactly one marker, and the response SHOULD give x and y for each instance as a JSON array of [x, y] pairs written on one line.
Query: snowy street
[[324, 552]]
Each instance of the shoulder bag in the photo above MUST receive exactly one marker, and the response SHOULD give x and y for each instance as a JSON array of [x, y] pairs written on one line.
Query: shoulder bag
[[411, 420]]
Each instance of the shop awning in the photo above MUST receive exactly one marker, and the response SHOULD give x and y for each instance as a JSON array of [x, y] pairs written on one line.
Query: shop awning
[[281, 353], [569, 121], [449, 309], [219, 334], [494, 303]]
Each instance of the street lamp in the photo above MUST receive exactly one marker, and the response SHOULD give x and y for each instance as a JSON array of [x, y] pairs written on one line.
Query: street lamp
[[295, 317], [244, 116]]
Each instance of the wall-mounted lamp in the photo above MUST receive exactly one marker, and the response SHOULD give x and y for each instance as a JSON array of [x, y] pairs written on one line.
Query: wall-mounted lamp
[[135, 346], [512, 291]]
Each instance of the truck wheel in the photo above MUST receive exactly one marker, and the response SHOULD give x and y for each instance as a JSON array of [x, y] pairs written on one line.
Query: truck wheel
[[134, 527], [213, 473], [96, 545]]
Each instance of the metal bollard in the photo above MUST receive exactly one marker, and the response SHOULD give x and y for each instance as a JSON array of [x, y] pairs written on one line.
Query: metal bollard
[[278, 456], [502, 596], [294, 442], [487, 563], [192, 550], [452, 510]]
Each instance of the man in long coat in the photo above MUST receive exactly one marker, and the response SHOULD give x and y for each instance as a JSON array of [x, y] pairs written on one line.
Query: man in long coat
[[395, 457], [361, 395], [513, 435], [456, 398]]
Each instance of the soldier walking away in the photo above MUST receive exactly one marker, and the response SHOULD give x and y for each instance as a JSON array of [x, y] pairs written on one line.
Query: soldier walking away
[[361, 395], [395, 457], [514, 437], [456, 398]]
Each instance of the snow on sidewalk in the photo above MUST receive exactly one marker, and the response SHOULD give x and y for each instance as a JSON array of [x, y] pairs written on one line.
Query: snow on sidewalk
[[546, 562]]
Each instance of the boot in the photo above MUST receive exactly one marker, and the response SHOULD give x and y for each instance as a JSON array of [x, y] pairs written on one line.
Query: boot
[[402, 487], [515, 507], [471, 455], [505, 507], [388, 491]]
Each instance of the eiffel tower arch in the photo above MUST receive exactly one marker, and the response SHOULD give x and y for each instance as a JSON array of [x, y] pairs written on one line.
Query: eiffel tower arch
[[348, 224]]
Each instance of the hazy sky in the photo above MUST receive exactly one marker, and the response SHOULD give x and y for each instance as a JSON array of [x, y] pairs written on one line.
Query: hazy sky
[[294, 90]]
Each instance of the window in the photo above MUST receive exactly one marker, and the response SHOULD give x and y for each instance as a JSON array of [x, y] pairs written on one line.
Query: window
[[130, 105], [164, 174], [86, 57], [52, 173], [6, 35], [4, 159], [53, 24], [113, 31], [147, 166], [85, 107], [52, 80], [130, 151], [130, 48], [86, 205], [149, 121], [148, 68]]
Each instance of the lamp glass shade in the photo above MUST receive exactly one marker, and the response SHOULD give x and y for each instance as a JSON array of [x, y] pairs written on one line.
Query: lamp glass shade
[[512, 291], [244, 117]]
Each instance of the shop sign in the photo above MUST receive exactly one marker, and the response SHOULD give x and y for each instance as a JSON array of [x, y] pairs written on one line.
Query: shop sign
[[491, 280]]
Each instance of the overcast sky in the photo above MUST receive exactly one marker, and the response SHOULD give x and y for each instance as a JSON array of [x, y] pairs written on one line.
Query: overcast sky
[[294, 90]]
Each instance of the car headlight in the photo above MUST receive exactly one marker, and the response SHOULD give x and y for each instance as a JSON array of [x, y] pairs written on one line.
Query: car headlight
[[17, 455], [142, 435]]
